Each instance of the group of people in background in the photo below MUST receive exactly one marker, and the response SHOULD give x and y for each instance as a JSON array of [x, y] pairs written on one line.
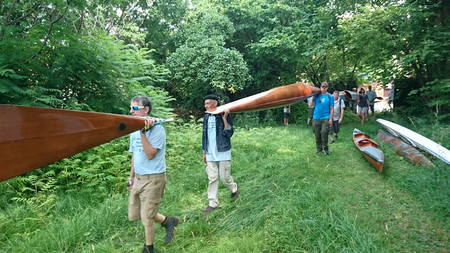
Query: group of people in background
[[326, 113]]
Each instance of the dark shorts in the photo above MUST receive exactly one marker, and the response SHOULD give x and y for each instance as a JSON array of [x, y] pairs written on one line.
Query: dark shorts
[[352, 104], [334, 128], [286, 115]]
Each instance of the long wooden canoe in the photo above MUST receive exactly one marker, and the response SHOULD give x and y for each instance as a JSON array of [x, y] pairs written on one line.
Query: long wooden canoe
[[273, 98], [404, 150], [417, 140], [351, 94], [369, 149], [32, 137], [355, 95]]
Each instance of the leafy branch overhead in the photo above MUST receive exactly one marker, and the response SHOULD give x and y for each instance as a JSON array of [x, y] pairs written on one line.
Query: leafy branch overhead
[[95, 55]]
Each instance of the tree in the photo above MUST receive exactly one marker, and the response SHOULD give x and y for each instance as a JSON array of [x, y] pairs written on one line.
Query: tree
[[60, 54], [202, 64], [405, 40]]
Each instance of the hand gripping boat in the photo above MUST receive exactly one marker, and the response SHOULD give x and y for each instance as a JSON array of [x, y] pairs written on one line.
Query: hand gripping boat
[[369, 149], [32, 137], [276, 97]]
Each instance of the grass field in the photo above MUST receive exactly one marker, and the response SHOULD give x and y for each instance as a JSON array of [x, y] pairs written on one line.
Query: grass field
[[291, 200]]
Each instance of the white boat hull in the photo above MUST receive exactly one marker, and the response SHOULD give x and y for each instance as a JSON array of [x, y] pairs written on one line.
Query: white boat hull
[[417, 140]]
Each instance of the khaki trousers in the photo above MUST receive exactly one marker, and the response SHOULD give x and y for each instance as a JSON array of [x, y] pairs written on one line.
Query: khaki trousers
[[214, 170]]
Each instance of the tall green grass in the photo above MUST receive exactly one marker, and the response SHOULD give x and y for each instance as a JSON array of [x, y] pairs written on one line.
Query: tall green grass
[[291, 200]]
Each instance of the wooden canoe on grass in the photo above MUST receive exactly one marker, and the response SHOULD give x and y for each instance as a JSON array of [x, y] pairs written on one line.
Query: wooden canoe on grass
[[276, 97], [369, 149], [32, 137], [404, 150], [417, 140]]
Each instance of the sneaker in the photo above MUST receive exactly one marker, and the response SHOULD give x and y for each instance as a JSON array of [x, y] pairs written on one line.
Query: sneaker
[[318, 151], [234, 195], [326, 152], [170, 224], [148, 249], [209, 209], [332, 141]]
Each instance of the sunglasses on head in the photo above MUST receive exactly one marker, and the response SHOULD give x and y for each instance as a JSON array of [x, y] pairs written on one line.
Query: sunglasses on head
[[137, 107]]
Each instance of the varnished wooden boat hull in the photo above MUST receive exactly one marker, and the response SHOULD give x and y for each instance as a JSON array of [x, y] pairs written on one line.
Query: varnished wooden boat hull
[[404, 150], [369, 149], [32, 137], [417, 140], [276, 97], [351, 94]]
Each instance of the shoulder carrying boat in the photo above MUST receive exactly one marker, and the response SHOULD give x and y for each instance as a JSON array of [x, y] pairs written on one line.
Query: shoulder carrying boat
[[404, 150], [417, 140], [273, 98], [369, 149]]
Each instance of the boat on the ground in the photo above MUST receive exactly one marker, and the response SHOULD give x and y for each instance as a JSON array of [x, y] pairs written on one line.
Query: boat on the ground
[[417, 140], [369, 149], [404, 150], [273, 98]]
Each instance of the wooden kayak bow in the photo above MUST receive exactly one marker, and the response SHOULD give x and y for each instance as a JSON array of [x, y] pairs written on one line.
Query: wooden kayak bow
[[273, 98], [32, 137]]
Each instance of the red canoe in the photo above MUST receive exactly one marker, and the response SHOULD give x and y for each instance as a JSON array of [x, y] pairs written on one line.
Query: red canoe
[[32, 137], [276, 97], [404, 150], [369, 149]]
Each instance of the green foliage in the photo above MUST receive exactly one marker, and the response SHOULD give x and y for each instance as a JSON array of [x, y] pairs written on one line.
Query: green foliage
[[14, 91], [328, 203], [205, 67], [272, 117], [102, 169], [436, 95], [57, 67]]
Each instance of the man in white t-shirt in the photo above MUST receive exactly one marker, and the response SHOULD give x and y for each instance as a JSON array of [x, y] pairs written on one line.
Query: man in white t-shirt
[[371, 95], [391, 95], [338, 115]]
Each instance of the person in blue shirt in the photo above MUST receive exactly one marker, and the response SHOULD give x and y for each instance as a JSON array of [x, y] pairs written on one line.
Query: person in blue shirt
[[322, 118], [147, 180], [216, 148]]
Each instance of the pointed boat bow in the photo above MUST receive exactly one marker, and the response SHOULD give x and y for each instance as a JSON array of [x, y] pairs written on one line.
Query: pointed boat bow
[[32, 137], [276, 97]]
